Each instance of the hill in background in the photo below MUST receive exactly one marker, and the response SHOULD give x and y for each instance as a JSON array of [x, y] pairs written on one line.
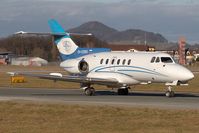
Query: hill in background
[[111, 35]]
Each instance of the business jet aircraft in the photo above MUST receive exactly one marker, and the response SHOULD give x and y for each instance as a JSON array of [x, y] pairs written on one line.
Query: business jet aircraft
[[120, 70]]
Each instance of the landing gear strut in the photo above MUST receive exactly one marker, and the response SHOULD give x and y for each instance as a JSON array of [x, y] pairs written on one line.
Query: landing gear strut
[[169, 92], [89, 91], [123, 91]]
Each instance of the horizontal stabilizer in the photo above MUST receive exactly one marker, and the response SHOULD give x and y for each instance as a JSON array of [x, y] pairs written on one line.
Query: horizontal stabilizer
[[49, 33]]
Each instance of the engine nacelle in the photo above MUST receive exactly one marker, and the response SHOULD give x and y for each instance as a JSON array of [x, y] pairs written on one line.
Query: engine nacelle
[[83, 66], [75, 66]]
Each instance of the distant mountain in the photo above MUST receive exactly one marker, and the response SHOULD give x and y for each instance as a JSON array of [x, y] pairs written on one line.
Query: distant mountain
[[99, 30], [111, 35], [136, 36]]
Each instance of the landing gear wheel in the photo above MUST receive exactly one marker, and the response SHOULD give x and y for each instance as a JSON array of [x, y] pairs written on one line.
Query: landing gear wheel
[[170, 94], [126, 91], [123, 91], [90, 91]]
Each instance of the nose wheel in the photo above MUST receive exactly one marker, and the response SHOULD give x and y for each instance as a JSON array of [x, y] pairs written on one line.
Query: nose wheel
[[169, 92]]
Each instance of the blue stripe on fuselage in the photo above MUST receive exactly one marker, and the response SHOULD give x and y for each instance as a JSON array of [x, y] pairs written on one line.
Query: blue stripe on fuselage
[[123, 69], [83, 51]]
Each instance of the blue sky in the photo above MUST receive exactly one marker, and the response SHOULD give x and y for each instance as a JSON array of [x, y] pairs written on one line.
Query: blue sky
[[171, 18]]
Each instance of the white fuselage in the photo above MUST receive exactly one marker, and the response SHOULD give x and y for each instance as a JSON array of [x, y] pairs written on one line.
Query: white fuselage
[[131, 67]]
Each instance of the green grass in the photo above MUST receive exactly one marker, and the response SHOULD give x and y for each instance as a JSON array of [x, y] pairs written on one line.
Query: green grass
[[41, 83], [49, 118]]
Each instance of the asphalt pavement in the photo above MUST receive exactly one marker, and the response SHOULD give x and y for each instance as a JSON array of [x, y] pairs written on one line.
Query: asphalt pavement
[[102, 97]]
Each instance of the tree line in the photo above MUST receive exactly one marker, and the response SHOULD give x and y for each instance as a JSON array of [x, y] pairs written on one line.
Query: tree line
[[42, 46]]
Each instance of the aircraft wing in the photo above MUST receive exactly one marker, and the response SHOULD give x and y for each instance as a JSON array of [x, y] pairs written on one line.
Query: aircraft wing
[[68, 78]]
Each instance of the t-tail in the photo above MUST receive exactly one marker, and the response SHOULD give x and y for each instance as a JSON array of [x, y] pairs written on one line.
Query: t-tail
[[66, 46]]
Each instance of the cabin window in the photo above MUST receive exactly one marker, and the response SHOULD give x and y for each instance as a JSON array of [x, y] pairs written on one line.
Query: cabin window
[[118, 61], [157, 60], [101, 62], [166, 60], [129, 61], [153, 59], [112, 62], [107, 60], [124, 61]]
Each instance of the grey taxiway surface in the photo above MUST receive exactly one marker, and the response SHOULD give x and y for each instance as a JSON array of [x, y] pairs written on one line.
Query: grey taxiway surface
[[75, 96]]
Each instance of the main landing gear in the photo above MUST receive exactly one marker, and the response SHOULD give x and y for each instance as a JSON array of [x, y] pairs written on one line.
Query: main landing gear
[[89, 91], [169, 92], [123, 91]]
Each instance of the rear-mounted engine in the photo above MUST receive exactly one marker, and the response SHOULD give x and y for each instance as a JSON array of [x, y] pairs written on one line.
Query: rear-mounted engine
[[83, 66]]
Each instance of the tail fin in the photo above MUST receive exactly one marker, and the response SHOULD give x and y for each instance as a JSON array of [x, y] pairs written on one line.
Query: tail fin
[[65, 44]]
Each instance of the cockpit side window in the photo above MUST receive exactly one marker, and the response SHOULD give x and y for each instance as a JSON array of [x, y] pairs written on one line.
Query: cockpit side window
[[153, 59], [166, 60], [157, 60]]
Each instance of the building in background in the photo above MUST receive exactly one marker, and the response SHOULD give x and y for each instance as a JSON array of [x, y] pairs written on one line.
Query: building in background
[[28, 61], [181, 49], [5, 57], [12, 59], [130, 47]]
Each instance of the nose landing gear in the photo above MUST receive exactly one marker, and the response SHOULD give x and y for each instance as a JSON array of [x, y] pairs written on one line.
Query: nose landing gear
[[169, 92]]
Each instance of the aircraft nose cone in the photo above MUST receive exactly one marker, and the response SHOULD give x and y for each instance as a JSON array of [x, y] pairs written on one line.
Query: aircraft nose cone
[[183, 74], [189, 75]]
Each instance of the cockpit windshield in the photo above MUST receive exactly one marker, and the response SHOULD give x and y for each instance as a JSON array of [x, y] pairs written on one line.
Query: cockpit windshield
[[166, 60]]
